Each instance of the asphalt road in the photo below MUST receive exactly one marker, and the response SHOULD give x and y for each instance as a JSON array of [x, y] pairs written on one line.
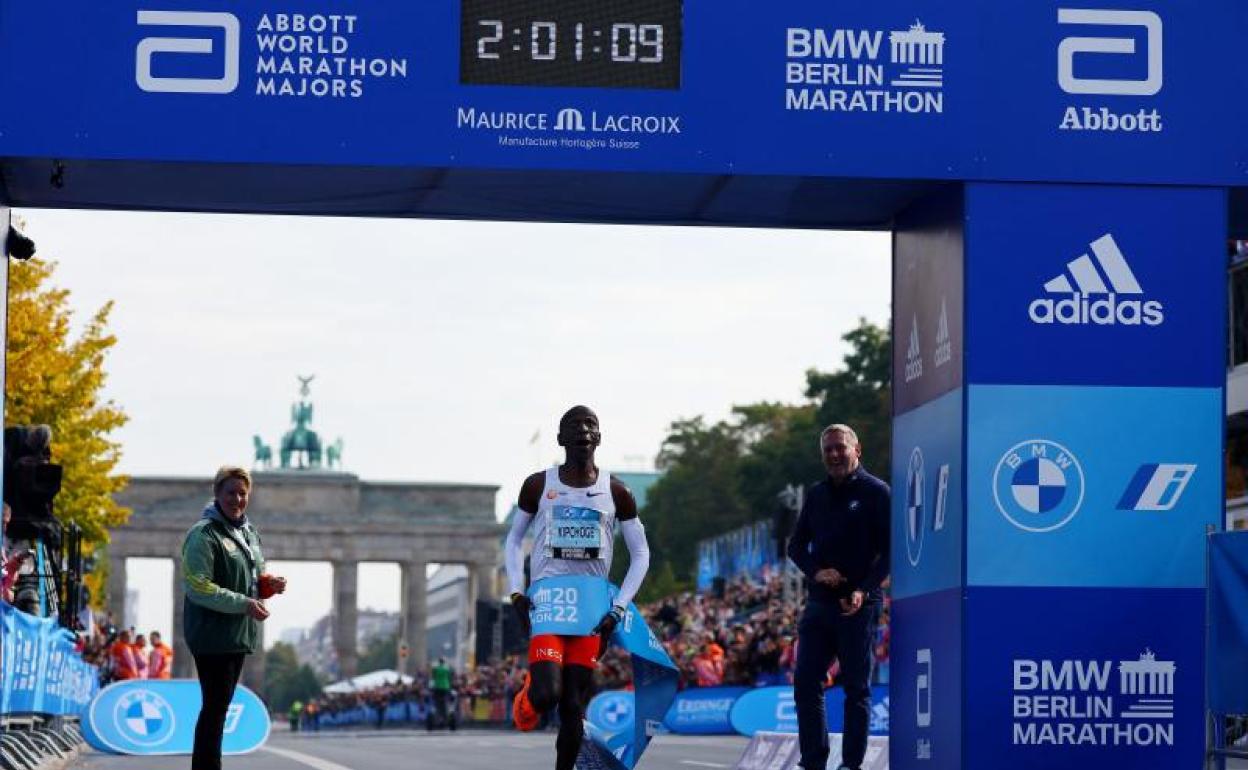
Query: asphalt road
[[466, 750]]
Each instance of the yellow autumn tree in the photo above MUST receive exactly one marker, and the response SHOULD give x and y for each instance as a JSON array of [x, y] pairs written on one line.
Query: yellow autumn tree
[[54, 378]]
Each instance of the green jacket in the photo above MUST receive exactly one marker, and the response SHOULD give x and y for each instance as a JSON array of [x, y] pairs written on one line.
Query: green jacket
[[219, 576]]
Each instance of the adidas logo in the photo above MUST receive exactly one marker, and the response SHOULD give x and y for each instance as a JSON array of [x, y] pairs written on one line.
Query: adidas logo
[[944, 348], [914, 358], [1096, 294]]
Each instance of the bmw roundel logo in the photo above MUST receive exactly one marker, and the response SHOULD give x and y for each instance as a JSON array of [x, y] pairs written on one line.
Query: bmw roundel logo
[[144, 718], [915, 510], [1038, 485]]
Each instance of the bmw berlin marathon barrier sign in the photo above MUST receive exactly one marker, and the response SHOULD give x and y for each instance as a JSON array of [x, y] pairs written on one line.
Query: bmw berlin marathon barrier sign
[[157, 716], [979, 90]]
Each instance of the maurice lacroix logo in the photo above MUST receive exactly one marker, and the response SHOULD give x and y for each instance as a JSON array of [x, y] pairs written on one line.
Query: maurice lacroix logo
[[1038, 485], [1082, 703], [296, 55], [572, 127], [1128, 25], [845, 70], [1101, 292]]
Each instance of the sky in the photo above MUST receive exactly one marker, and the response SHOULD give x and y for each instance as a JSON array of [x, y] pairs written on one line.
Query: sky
[[441, 349]]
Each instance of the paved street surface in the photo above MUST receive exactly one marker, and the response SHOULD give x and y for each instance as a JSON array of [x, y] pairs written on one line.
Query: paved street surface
[[469, 750]]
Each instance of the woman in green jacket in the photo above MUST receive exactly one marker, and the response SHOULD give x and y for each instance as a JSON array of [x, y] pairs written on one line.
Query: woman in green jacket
[[226, 585]]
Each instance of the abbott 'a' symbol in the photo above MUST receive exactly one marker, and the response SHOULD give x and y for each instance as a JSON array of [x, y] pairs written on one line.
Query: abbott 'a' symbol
[[1156, 487], [149, 47], [1101, 291]]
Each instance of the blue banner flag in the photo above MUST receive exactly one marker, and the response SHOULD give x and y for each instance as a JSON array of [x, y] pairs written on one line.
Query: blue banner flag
[[571, 605], [1227, 662]]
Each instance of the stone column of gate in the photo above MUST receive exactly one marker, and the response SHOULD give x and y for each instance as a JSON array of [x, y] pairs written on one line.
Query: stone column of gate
[[345, 615], [183, 664], [1058, 370], [116, 588], [414, 593]]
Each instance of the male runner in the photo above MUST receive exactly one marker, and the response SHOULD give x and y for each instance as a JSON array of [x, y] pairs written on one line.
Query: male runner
[[561, 668]]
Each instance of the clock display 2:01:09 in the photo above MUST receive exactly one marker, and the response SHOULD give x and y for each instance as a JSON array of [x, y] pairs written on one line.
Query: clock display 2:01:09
[[642, 43], [622, 44]]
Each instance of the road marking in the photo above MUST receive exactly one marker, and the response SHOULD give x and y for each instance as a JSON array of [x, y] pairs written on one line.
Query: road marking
[[307, 759], [701, 764]]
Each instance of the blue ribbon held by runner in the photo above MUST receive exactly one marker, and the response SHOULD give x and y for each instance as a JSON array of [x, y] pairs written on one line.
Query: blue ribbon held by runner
[[571, 605]]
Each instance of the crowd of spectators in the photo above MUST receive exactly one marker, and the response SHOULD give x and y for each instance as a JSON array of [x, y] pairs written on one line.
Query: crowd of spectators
[[745, 635]]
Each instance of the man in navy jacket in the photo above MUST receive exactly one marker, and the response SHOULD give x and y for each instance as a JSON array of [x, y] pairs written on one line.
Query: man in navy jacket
[[841, 544]]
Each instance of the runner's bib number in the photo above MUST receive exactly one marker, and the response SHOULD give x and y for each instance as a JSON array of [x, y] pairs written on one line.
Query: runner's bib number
[[575, 533]]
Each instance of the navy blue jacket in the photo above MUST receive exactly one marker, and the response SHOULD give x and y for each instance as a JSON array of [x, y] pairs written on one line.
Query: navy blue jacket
[[844, 526]]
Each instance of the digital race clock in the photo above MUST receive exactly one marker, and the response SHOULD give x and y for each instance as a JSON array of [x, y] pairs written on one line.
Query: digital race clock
[[588, 43]]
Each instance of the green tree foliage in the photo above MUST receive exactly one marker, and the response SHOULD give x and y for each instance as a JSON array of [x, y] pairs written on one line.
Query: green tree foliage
[[285, 681], [722, 476], [55, 379], [381, 652]]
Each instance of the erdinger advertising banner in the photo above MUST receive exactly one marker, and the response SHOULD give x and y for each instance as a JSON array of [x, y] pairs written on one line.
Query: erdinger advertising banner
[[703, 710], [927, 518], [1073, 486], [926, 682], [900, 89], [927, 301], [1096, 285], [1084, 679]]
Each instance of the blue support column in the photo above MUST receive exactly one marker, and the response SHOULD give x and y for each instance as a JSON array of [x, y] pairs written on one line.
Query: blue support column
[[1059, 622]]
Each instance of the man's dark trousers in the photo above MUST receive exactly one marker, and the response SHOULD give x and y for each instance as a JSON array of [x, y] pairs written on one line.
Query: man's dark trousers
[[218, 676], [823, 634]]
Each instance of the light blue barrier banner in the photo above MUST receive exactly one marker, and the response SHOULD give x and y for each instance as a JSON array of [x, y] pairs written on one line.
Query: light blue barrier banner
[[771, 709], [571, 606], [1228, 623], [149, 716], [39, 670], [703, 711]]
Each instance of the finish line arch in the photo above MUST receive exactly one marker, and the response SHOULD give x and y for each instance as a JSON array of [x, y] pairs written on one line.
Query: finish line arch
[[1060, 178]]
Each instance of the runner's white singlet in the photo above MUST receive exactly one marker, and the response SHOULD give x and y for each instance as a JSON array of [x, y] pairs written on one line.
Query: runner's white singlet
[[573, 529]]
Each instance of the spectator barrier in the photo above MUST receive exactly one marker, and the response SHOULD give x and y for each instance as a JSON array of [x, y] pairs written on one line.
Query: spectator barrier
[[731, 710], [768, 751], [157, 716], [40, 672]]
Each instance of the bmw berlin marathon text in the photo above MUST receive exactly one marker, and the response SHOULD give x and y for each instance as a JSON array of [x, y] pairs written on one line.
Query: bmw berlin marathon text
[[846, 70], [1094, 702]]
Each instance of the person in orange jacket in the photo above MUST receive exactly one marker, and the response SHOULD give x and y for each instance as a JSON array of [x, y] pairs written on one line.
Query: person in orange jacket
[[160, 662], [121, 652]]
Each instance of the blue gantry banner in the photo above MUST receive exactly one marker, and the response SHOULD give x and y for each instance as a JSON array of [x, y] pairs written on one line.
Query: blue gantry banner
[[901, 89], [1228, 623]]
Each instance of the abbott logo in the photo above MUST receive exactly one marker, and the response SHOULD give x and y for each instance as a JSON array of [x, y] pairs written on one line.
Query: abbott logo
[[150, 46], [569, 119], [1072, 46], [1103, 291]]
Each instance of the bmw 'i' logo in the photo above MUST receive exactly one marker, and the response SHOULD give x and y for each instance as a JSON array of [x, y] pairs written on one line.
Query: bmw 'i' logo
[[915, 509], [1038, 485], [144, 718]]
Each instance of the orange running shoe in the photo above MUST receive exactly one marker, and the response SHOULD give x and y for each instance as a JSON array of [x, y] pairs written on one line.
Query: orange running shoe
[[523, 715]]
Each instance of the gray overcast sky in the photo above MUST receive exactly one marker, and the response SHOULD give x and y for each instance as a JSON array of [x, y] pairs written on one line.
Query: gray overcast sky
[[440, 348]]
